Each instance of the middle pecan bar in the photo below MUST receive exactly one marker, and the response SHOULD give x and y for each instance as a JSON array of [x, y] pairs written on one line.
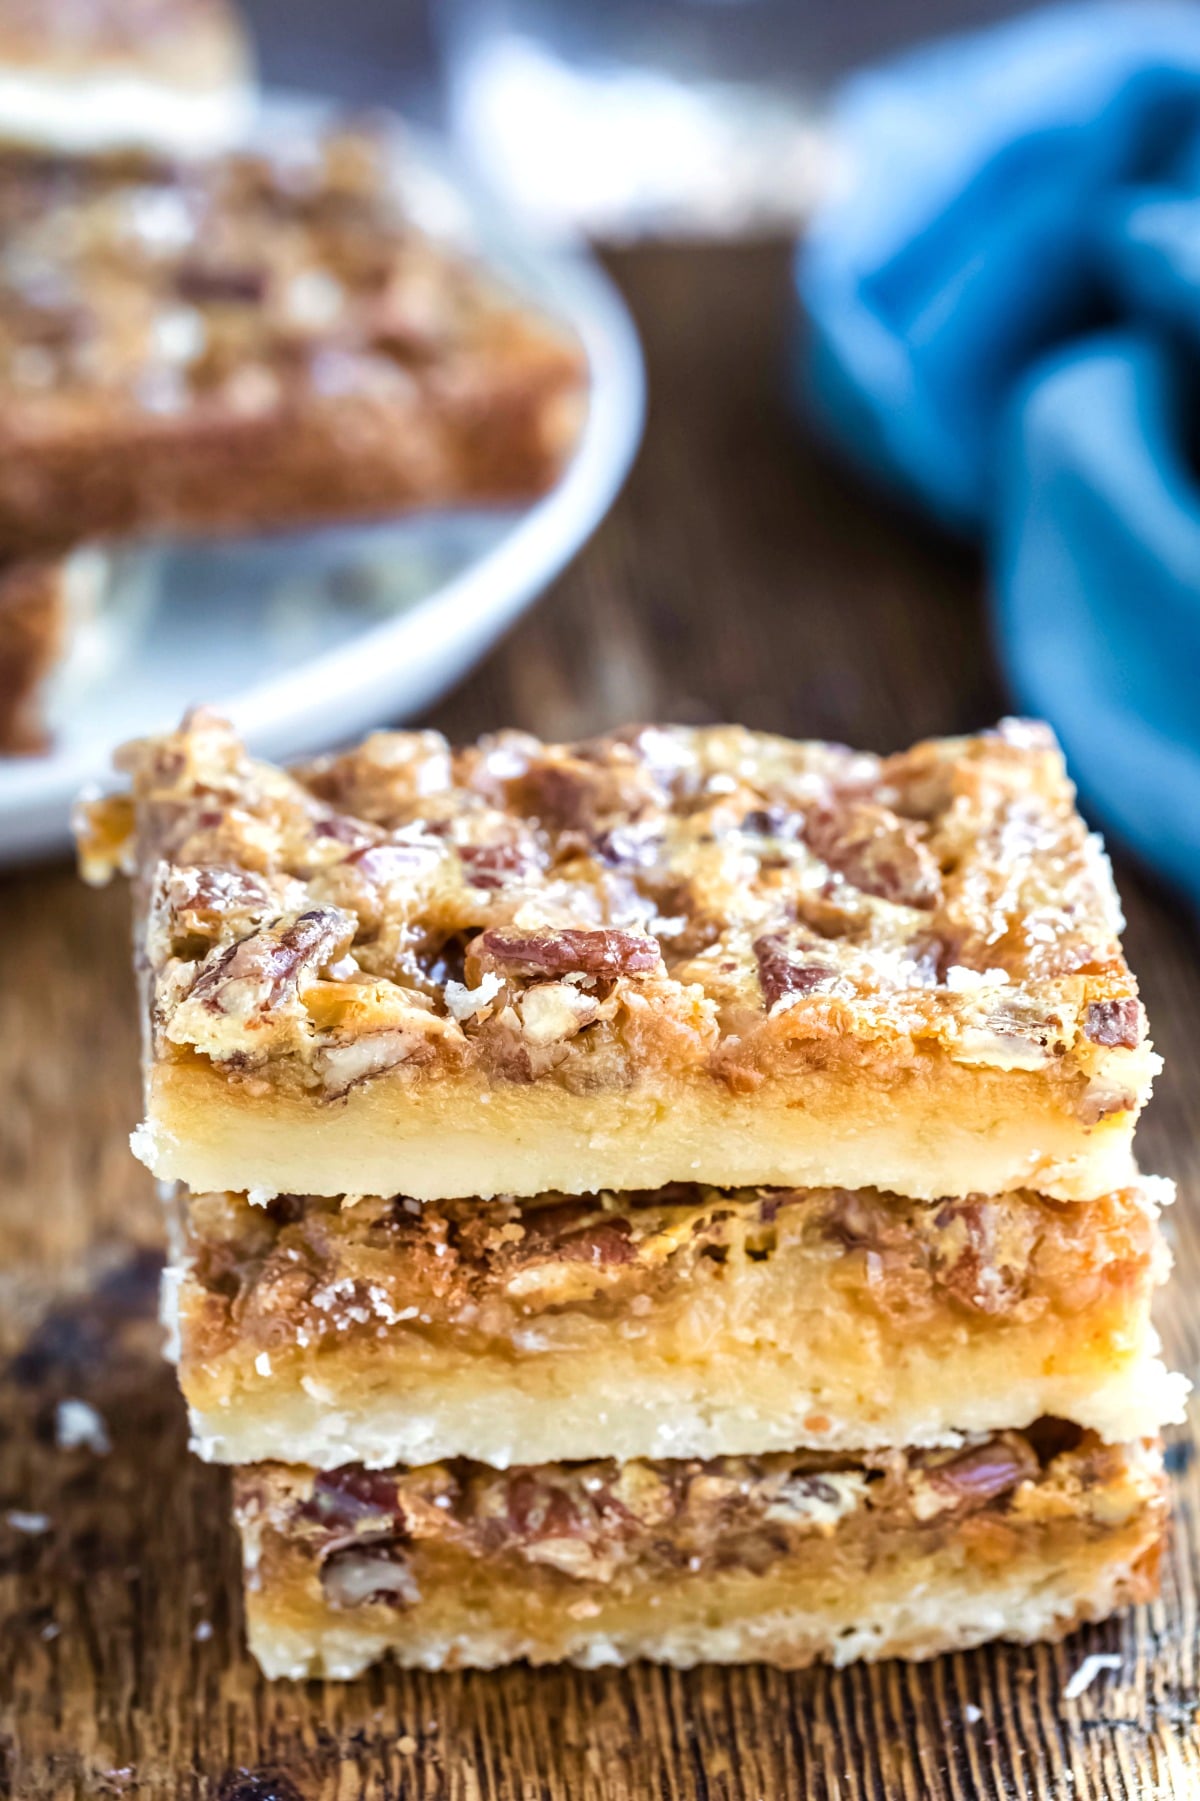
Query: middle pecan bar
[[686, 1322]]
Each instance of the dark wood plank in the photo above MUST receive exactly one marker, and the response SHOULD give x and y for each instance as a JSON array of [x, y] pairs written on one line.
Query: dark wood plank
[[741, 575]]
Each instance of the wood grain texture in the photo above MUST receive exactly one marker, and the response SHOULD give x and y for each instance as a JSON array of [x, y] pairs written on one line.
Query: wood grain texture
[[740, 576]]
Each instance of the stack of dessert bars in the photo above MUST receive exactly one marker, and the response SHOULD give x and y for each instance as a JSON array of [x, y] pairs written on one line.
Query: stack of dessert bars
[[667, 1196]]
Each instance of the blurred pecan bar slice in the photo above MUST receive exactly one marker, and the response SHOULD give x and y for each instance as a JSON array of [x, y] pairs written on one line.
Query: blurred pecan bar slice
[[34, 617], [176, 73], [784, 1559], [688, 1322], [663, 955], [49, 607], [255, 341]]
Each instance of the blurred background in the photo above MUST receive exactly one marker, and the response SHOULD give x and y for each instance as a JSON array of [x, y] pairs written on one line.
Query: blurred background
[[388, 51], [634, 84]]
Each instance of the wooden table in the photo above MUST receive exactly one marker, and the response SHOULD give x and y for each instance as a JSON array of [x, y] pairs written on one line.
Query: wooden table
[[739, 576]]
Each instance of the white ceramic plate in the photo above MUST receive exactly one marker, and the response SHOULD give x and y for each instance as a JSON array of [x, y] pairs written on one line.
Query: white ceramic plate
[[306, 639]]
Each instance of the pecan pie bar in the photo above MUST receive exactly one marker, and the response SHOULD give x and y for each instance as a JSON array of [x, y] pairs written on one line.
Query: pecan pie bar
[[690, 1322], [665, 955], [782, 1559], [81, 76], [254, 341]]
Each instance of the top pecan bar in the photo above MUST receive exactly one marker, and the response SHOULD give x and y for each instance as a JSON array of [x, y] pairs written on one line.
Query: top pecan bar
[[667, 954], [256, 340]]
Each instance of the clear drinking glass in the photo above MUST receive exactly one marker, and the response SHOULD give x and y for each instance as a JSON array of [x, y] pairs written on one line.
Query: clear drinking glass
[[635, 117]]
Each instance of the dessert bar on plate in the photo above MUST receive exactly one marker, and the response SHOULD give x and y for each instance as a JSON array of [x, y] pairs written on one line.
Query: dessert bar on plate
[[176, 73], [258, 340], [34, 617], [664, 955], [51, 610], [689, 1322], [782, 1559]]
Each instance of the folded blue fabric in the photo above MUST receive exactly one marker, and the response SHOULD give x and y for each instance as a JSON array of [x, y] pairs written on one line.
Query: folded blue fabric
[[1004, 295]]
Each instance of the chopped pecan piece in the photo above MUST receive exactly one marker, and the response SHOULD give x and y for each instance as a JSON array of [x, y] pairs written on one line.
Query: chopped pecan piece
[[1016, 1034], [368, 1576], [1113, 1023], [342, 828], [201, 889], [199, 901], [859, 1220], [400, 859], [877, 852], [553, 1011], [351, 1496], [636, 846], [537, 1509], [492, 865], [773, 822], [559, 795], [608, 1241], [983, 1473], [787, 971], [579, 791], [968, 1261], [771, 1204], [206, 282], [262, 971], [551, 951]]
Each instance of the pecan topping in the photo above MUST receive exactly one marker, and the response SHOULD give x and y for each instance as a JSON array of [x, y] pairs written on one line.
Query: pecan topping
[[512, 884], [591, 1521], [877, 852], [551, 951], [1113, 1023], [787, 972]]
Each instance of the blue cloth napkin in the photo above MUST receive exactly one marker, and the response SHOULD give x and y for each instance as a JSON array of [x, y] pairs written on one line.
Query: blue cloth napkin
[[1004, 293]]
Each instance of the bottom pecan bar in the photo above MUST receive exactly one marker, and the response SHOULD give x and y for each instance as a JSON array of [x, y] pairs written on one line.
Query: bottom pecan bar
[[786, 1559]]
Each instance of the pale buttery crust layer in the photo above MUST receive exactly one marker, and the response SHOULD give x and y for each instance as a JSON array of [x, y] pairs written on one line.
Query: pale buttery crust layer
[[665, 955], [252, 341], [786, 1560], [691, 1322]]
